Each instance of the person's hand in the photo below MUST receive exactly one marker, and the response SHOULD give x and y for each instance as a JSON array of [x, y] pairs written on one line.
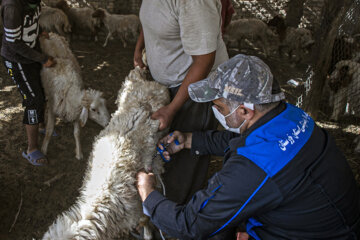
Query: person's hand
[[145, 184], [174, 146], [49, 63], [138, 59], [44, 35], [165, 115], [242, 236]]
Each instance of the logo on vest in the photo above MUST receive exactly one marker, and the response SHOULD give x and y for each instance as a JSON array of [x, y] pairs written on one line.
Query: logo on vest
[[292, 137]]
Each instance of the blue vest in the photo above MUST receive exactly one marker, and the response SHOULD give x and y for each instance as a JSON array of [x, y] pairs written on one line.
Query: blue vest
[[275, 144]]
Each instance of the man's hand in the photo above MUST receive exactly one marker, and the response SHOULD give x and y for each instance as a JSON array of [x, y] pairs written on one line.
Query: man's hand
[[138, 59], [173, 147], [49, 63], [145, 184], [165, 115]]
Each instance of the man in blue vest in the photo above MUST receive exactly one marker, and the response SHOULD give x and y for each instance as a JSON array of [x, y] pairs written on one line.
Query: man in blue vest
[[282, 174]]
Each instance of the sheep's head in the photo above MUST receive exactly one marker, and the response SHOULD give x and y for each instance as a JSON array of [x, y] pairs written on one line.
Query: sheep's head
[[63, 5], [94, 107], [306, 39], [339, 78]]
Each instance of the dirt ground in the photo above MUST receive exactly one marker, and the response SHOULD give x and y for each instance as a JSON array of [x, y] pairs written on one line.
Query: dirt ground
[[20, 182]]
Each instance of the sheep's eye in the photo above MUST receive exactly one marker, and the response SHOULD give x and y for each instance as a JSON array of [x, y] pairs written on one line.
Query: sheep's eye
[[92, 109]]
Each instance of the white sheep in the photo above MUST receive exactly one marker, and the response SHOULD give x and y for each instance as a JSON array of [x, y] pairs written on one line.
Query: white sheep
[[54, 20], [65, 94], [109, 205], [344, 82], [252, 29], [80, 19], [125, 26], [297, 41]]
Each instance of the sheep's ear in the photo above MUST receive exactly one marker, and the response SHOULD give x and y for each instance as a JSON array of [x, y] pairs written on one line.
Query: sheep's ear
[[84, 116]]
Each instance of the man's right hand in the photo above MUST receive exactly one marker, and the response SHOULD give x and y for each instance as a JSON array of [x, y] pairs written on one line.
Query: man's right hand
[[49, 63], [138, 59], [181, 142]]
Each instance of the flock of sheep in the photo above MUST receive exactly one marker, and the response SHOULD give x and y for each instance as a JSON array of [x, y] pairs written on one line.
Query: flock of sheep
[[109, 205]]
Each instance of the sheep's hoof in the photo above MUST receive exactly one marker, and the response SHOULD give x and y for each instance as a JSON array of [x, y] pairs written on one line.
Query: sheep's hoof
[[79, 156]]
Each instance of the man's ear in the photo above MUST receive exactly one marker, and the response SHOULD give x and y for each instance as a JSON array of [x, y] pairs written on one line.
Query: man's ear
[[246, 113]]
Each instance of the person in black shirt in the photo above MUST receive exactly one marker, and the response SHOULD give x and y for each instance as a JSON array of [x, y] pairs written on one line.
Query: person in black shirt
[[23, 61]]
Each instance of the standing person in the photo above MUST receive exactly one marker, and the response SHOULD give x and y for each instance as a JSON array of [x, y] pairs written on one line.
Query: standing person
[[183, 45], [227, 11], [23, 60], [282, 174]]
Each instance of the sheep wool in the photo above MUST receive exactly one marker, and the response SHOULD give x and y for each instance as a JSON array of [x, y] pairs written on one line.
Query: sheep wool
[[109, 205]]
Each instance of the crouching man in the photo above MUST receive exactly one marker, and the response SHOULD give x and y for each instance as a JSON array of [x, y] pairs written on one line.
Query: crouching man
[[282, 174]]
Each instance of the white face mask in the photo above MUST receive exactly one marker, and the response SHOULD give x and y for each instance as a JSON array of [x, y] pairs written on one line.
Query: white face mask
[[222, 119]]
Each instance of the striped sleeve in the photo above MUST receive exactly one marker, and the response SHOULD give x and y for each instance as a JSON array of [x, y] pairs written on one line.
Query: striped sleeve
[[12, 21], [12, 24]]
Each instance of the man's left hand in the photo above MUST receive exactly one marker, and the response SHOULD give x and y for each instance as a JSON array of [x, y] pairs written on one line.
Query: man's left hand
[[165, 115], [145, 184]]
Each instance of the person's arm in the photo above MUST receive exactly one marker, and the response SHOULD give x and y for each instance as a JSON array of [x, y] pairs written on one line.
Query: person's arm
[[140, 44], [199, 70], [12, 30], [239, 191], [201, 143]]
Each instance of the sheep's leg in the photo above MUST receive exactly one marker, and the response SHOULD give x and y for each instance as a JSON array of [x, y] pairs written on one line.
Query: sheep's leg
[[78, 152], [339, 103], [147, 233], [122, 38], [357, 140], [49, 130], [60, 30], [107, 39]]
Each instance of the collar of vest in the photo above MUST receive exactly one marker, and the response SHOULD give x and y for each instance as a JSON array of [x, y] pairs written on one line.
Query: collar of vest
[[276, 142]]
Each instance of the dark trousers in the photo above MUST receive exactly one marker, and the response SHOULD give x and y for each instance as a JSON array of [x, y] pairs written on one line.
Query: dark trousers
[[185, 174], [27, 79]]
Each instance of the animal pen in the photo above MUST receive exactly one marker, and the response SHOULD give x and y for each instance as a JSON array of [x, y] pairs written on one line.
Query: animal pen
[[325, 83]]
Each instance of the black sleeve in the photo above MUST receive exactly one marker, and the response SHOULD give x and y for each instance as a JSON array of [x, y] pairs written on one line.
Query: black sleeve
[[211, 142], [240, 191], [12, 20]]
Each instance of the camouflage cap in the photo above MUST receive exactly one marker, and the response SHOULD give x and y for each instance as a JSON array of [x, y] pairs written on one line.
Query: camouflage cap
[[245, 79]]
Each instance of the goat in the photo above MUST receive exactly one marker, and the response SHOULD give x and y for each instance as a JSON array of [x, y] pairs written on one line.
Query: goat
[[109, 204], [54, 20], [80, 19], [123, 25], [65, 94]]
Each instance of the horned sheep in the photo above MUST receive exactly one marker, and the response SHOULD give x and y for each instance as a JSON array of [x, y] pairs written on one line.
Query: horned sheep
[[65, 94], [109, 205]]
